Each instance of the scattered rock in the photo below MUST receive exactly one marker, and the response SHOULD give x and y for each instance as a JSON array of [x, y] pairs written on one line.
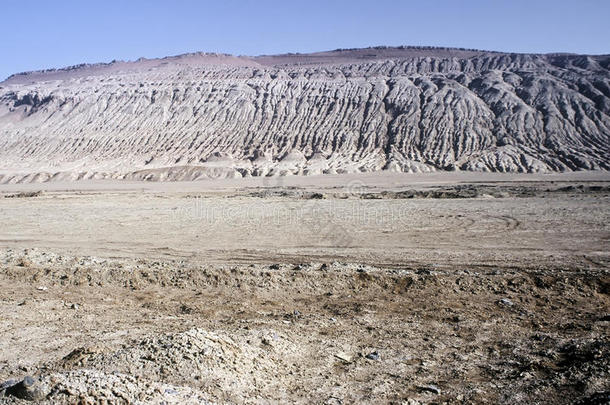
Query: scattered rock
[[28, 389], [333, 401], [266, 342], [506, 302], [5, 385], [431, 388], [344, 357], [373, 356], [23, 262]]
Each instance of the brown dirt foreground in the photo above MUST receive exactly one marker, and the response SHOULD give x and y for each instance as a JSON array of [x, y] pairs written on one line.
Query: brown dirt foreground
[[526, 325]]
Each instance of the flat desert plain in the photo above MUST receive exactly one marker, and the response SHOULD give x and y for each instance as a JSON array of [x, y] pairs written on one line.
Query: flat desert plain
[[372, 288]]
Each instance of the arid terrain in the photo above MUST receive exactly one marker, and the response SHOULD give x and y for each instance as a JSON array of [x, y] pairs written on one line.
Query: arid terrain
[[370, 288], [403, 225], [400, 109]]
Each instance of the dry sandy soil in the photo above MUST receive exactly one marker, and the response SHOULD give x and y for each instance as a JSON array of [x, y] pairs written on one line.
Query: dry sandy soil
[[334, 289]]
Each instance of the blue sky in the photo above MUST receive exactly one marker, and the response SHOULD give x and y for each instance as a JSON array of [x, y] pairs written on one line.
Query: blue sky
[[45, 34]]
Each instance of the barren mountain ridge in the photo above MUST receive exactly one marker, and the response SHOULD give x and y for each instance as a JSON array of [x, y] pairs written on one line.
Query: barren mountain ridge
[[405, 109]]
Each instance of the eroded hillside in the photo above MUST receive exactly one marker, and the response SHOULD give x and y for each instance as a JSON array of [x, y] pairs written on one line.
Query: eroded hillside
[[400, 109]]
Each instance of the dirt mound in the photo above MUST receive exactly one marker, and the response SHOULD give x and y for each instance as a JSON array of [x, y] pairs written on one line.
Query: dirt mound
[[301, 333]]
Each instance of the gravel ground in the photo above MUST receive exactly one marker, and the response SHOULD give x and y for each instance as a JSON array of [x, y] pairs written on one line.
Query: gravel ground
[[497, 295]]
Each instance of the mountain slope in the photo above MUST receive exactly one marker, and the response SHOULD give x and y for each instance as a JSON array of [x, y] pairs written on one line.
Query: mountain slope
[[403, 109]]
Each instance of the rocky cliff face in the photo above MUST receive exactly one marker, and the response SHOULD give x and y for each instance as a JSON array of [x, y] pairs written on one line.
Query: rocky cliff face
[[401, 109]]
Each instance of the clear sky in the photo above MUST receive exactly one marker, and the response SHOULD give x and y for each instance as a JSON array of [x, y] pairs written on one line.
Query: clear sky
[[41, 34]]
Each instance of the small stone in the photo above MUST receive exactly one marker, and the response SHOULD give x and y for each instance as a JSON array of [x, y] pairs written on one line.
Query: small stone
[[344, 357], [373, 356], [5, 385], [333, 401], [506, 302], [431, 388], [8, 383], [26, 389]]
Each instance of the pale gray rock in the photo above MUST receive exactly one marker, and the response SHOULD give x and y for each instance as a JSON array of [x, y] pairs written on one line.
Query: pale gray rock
[[28, 389]]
